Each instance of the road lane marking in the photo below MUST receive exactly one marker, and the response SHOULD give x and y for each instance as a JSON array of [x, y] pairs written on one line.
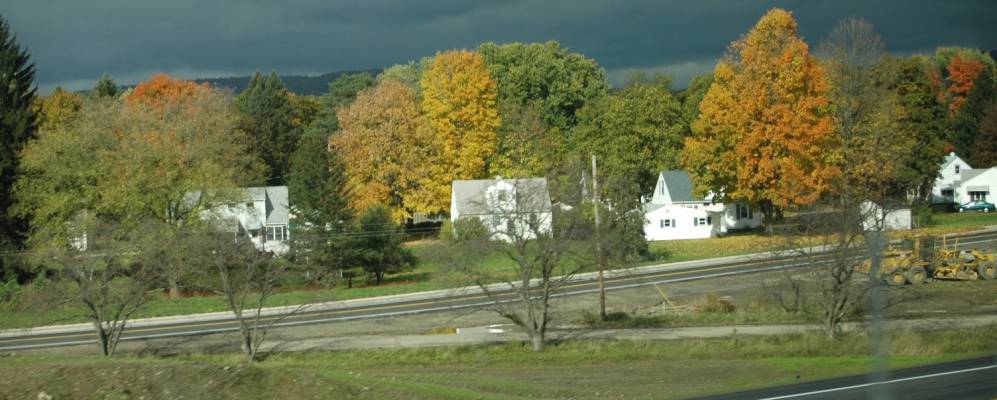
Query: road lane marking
[[870, 384]]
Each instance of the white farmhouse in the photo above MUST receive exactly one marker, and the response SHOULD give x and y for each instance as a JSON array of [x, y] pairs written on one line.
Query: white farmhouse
[[263, 215], [960, 183], [674, 213], [509, 208]]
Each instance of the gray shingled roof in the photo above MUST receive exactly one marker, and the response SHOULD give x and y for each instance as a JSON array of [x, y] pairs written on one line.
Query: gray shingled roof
[[679, 186], [531, 195], [968, 174], [277, 204]]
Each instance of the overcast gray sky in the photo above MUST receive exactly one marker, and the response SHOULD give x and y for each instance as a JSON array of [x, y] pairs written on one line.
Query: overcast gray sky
[[73, 42]]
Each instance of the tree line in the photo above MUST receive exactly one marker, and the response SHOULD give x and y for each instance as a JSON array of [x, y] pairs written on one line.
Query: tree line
[[774, 126]]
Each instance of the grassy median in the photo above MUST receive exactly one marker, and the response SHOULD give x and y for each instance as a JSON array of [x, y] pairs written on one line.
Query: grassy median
[[573, 369]]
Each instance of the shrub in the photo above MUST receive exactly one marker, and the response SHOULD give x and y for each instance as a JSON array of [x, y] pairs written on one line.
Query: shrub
[[463, 229], [713, 303], [10, 292]]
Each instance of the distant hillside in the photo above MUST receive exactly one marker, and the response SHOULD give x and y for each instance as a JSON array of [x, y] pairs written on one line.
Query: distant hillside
[[298, 84]]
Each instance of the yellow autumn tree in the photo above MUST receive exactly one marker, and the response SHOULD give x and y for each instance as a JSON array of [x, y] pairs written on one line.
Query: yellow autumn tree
[[58, 109], [459, 101], [765, 134], [383, 142]]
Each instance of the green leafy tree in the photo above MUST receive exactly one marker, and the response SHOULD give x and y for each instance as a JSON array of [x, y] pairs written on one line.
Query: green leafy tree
[[522, 143], [409, 73], [344, 89], [268, 115], [379, 244], [693, 95], [636, 132], [543, 81], [105, 87], [17, 125], [921, 117], [964, 125], [546, 76], [131, 163], [987, 139], [341, 93]]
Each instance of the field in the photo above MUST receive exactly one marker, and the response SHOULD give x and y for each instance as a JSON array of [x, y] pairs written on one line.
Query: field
[[432, 274], [574, 369]]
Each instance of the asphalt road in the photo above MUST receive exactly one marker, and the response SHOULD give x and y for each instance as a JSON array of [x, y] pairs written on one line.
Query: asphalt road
[[29, 340], [966, 379]]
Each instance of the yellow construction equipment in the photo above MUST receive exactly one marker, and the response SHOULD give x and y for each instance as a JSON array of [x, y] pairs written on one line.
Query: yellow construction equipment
[[918, 259]]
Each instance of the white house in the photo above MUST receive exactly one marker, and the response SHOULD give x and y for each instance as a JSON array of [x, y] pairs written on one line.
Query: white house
[[264, 215], [506, 207], [959, 183], [674, 213], [949, 175]]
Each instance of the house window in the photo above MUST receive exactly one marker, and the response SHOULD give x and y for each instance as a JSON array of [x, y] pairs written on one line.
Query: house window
[[250, 205], [709, 220], [947, 192], [668, 223], [977, 196], [957, 169], [278, 232], [700, 221], [743, 211], [661, 188]]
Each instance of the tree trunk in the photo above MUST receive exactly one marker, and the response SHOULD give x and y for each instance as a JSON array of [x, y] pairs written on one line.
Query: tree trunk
[[537, 340], [103, 339], [602, 295], [768, 216], [174, 289]]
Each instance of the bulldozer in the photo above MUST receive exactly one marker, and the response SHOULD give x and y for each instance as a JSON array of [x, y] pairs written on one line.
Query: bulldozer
[[918, 259]]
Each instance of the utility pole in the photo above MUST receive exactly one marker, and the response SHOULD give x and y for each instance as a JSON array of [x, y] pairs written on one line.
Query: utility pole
[[600, 260]]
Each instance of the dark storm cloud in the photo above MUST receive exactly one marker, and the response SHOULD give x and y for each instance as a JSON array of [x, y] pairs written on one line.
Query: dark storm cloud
[[74, 42]]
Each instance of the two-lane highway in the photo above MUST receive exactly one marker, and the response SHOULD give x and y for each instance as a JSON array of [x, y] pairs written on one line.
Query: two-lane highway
[[456, 299]]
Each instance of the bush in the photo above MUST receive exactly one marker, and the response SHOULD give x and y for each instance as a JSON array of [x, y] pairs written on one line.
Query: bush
[[713, 303], [10, 292], [447, 233], [922, 214], [463, 229]]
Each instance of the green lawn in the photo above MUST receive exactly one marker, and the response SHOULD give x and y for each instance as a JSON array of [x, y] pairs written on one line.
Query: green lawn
[[573, 369], [432, 273], [963, 220]]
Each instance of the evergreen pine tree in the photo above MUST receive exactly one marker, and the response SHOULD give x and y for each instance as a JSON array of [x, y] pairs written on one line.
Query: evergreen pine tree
[[105, 87], [17, 125], [318, 187], [318, 183], [267, 115]]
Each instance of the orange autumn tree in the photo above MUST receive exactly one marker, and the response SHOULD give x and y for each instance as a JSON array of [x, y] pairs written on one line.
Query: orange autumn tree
[[161, 91], [383, 142], [459, 101], [765, 134], [962, 74]]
